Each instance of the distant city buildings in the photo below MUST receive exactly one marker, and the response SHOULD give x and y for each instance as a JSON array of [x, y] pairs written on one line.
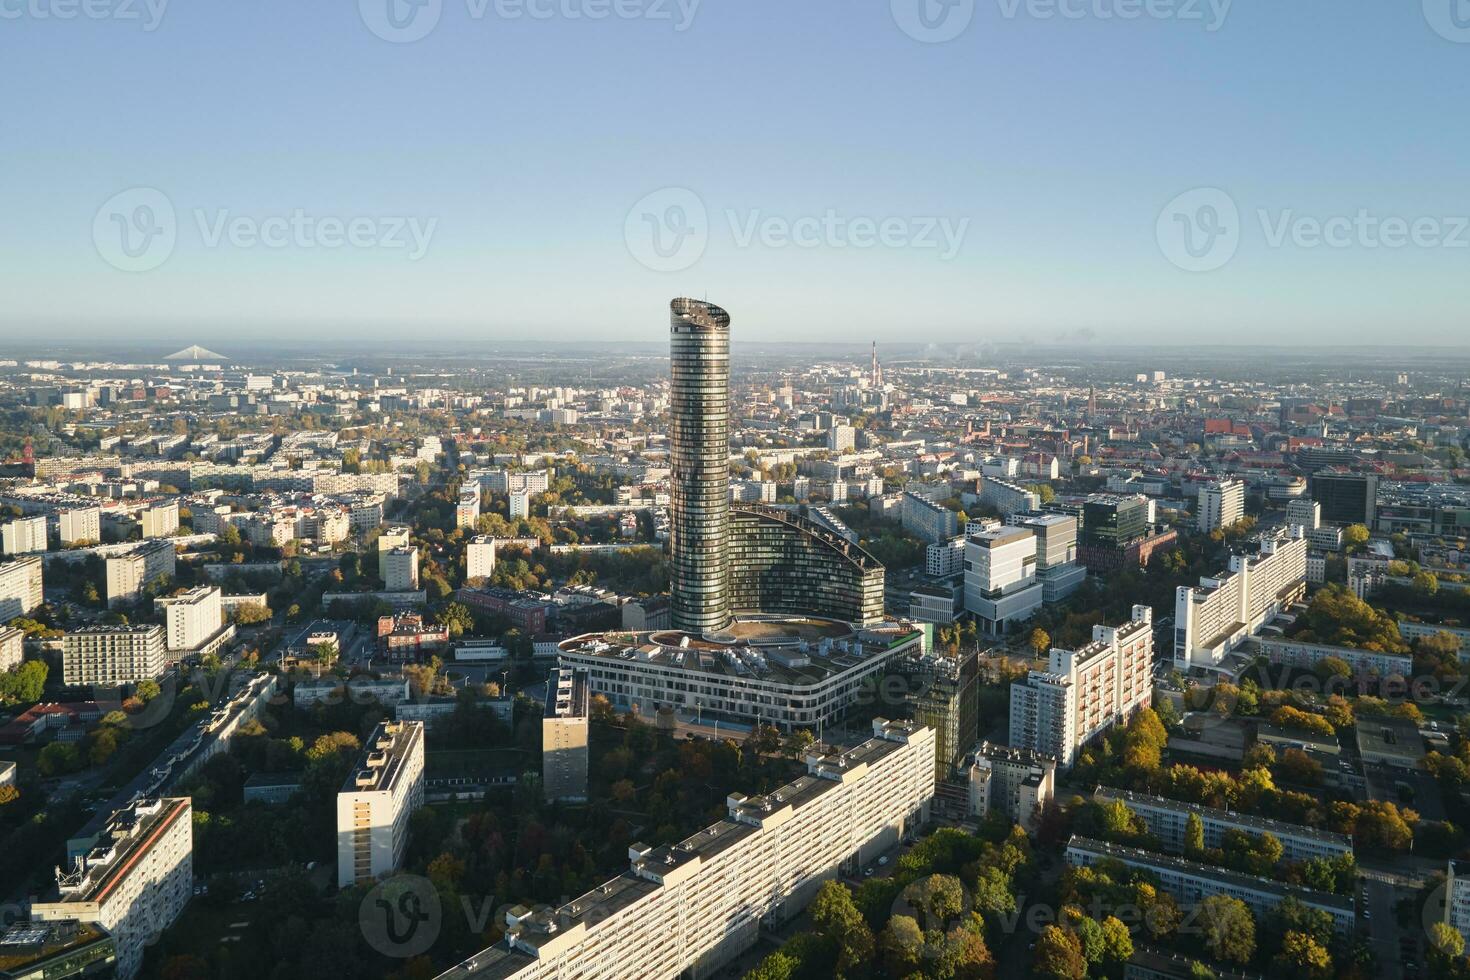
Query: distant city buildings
[[20, 587], [24, 535]]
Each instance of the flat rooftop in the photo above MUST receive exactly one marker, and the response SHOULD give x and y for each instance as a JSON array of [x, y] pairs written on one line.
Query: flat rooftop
[[382, 757], [129, 835]]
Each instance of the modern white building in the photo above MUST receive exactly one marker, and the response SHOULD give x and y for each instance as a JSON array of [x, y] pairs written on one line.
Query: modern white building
[[945, 558], [1000, 577], [375, 804], [81, 525], [133, 882], [1083, 693], [1189, 882], [20, 587], [109, 655], [160, 520], [520, 505], [1215, 618], [688, 910], [1057, 568], [400, 569], [1220, 505], [128, 575], [192, 617], [564, 731], [24, 535], [1015, 782], [390, 539], [1305, 512], [479, 557], [1167, 820]]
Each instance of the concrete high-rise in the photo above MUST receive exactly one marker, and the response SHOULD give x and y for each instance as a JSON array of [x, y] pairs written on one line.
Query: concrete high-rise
[[699, 439]]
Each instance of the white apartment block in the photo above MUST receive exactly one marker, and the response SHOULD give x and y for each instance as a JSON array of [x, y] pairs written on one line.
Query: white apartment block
[[520, 504], [689, 909], [24, 535], [1214, 619], [1457, 899], [479, 557], [1083, 693], [1220, 505], [192, 617], [925, 519], [83, 524], [365, 512], [161, 520], [1306, 512], [564, 736], [842, 438], [12, 647], [324, 525], [134, 881], [945, 558], [1015, 782], [504, 481], [20, 587], [1293, 653], [1167, 820], [128, 575], [391, 538], [113, 655], [467, 509], [1190, 883], [400, 569], [375, 804], [1000, 577], [1007, 498]]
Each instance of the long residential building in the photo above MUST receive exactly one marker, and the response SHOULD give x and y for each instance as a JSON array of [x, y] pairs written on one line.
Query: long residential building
[[1294, 653], [113, 654], [374, 806], [1190, 882], [787, 673], [689, 909], [1166, 820], [1212, 620], [128, 575], [1083, 693], [133, 882], [20, 587]]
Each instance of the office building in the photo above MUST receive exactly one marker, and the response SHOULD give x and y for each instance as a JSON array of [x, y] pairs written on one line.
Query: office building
[[56, 950], [1220, 505], [400, 569], [564, 736], [467, 509], [192, 617], [780, 562], [944, 696], [383, 789], [1017, 783], [24, 535], [20, 587], [1346, 498], [1307, 513], [1189, 882], [129, 575], [479, 557], [80, 526], [1167, 820], [699, 449], [1057, 568], [927, 520], [1083, 693], [798, 674], [133, 882], [160, 520], [690, 909], [12, 647], [1000, 577], [1212, 620], [107, 655], [945, 558]]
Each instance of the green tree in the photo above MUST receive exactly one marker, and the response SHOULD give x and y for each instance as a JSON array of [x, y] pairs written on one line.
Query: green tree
[[1230, 931], [836, 918], [1301, 955], [902, 945], [1355, 537], [1194, 836], [1058, 955], [1117, 940], [1040, 641]]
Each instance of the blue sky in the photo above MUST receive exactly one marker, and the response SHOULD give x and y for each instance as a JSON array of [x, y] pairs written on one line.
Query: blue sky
[[519, 147]]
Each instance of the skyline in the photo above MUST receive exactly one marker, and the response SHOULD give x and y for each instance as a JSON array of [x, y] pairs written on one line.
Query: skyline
[[1030, 174]]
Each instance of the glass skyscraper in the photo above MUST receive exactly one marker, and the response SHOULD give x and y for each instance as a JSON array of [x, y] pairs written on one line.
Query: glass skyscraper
[[699, 442]]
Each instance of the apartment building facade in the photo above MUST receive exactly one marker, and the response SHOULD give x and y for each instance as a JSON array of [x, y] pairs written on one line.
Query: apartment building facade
[[20, 587], [1219, 615], [374, 805], [106, 655], [128, 575], [191, 618], [1167, 820]]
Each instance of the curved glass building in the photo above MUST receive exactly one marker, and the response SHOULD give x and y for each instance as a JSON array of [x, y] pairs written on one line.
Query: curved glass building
[[699, 455], [783, 563]]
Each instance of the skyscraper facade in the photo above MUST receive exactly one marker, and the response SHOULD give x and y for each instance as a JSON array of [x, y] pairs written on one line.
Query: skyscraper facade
[[699, 438]]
